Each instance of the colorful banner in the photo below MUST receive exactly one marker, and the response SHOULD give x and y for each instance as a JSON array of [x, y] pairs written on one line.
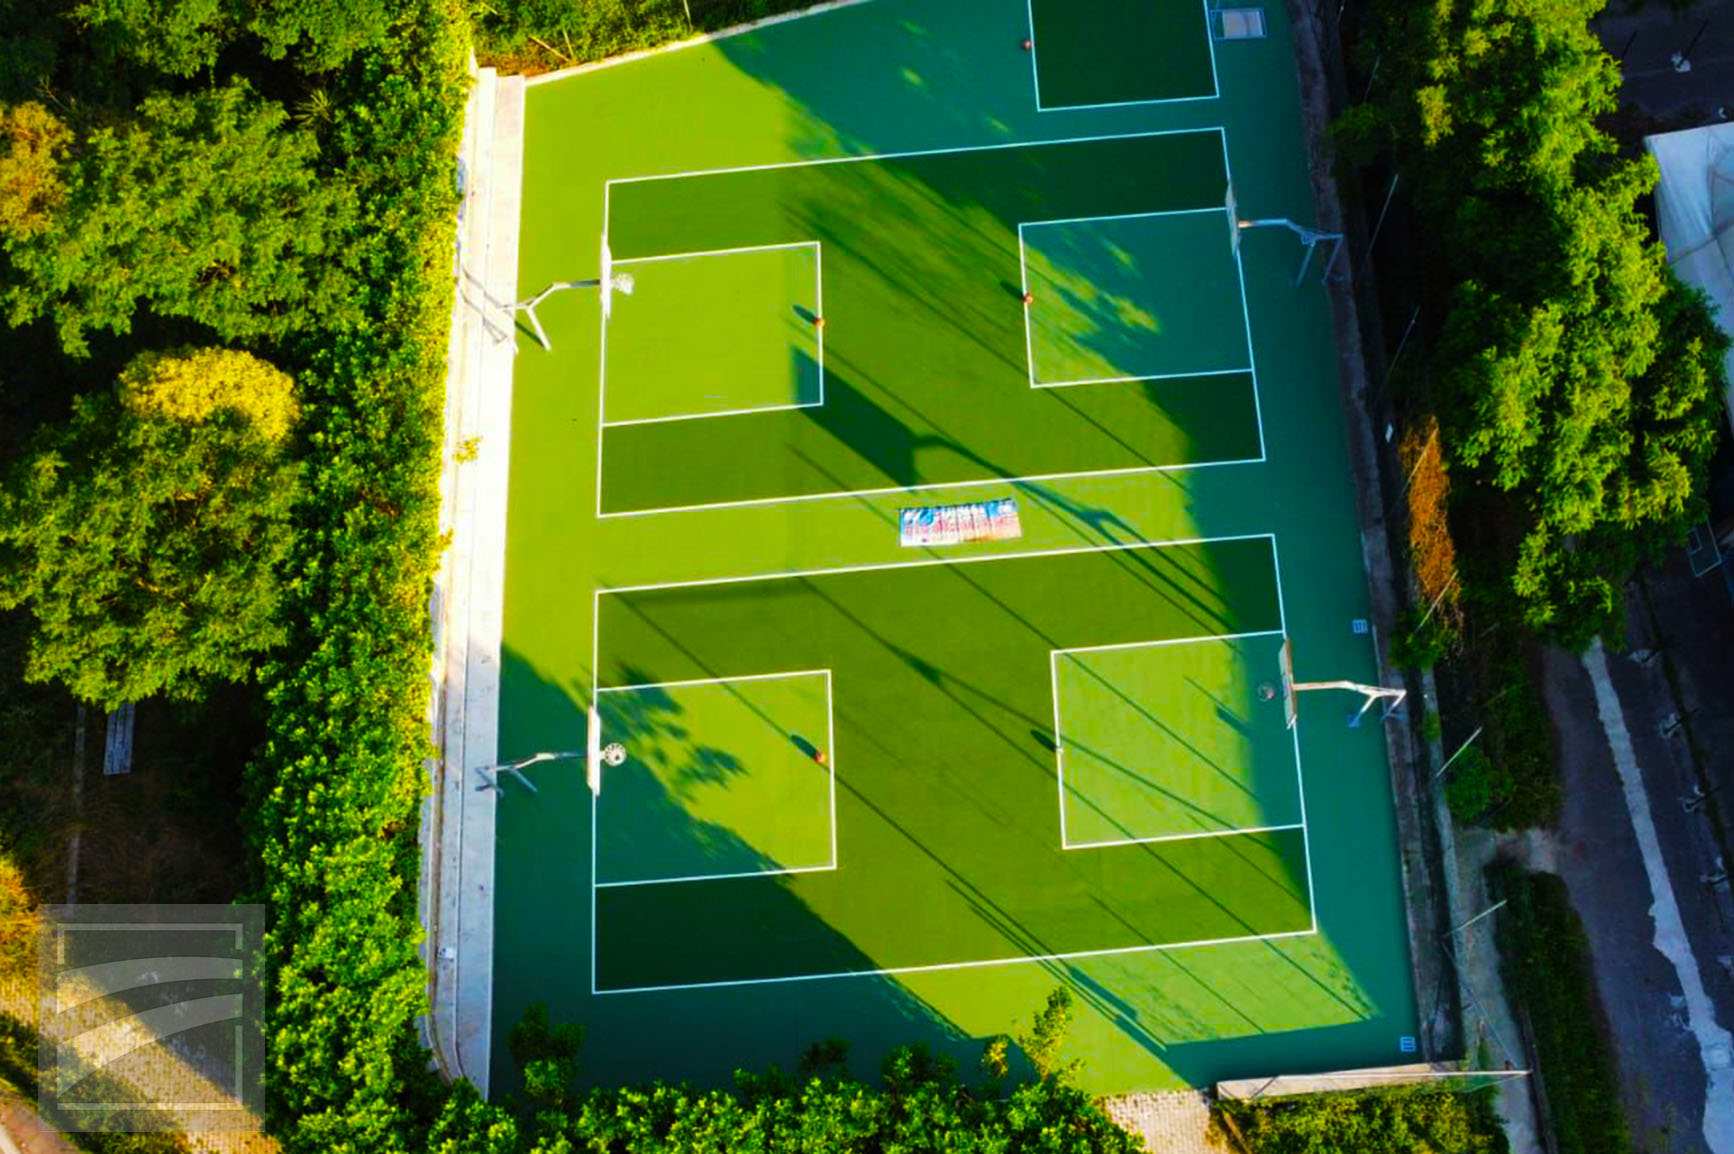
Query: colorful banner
[[960, 524]]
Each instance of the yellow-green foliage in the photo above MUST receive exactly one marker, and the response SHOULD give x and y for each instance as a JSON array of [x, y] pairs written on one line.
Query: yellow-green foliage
[[18, 921], [190, 385], [32, 140]]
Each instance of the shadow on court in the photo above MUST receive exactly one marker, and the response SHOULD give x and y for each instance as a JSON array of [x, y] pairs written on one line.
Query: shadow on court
[[543, 934]]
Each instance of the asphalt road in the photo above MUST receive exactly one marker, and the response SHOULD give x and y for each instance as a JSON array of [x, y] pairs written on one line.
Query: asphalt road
[[1680, 628]]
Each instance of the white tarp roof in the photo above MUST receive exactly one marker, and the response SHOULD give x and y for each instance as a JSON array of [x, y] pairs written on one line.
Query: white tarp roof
[[1695, 212]]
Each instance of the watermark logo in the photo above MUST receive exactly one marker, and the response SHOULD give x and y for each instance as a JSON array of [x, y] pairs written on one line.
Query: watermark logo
[[150, 1018]]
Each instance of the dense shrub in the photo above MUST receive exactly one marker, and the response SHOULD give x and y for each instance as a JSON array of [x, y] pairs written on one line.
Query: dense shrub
[[1544, 957], [335, 793], [917, 1105], [1399, 1121]]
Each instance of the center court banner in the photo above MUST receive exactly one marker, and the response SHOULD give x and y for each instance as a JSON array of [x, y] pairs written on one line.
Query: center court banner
[[960, 524]]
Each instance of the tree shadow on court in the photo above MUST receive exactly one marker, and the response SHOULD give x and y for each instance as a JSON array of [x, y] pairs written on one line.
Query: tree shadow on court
[[542, 938]]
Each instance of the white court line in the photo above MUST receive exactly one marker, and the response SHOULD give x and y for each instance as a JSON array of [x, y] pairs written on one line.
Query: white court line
[[1215, 79], [1029, 326], [1171, 641], [1245, 312], [1035, 73], [818, 334], [831, 759], [917, 563], [1294, 733], [818, 869], [778, 247], [1242, 371], [1118, 216], [863, 156], [1060, 743], [978, 482], [1203, 833], [595, 664], [711, 680], [830, 769], [937, 967]]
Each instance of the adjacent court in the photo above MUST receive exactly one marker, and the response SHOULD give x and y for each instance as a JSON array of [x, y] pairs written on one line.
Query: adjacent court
[[935, 365], [929, 516], [941, 808]]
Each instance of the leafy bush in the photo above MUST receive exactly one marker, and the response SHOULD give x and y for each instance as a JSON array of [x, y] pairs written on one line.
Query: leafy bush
[[1439, 1121], [1544, 957], [534, 35], [1475, 784], [1525, 788], [917, 1105]]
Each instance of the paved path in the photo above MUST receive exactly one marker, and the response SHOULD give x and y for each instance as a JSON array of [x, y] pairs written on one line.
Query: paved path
[[457, 884]]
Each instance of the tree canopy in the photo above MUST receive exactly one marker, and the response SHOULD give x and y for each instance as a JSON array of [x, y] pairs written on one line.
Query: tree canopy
[[1577, 383], [145, 533], [206, 206]]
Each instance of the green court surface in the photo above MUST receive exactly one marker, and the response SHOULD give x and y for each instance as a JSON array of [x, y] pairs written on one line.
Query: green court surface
[[896, 794], [939, 815], [746, 340], [721, 778], [925, 325], [1095, 53], [1135, 297], [1172, 739]]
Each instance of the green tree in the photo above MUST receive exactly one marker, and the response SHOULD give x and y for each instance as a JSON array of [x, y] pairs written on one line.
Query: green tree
[[1047, 1034], [183, 37], [1576, 383], [207, 206], [32, 143], [145, 534]]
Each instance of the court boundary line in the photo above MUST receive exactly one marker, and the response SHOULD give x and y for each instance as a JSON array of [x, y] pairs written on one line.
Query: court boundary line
[[1215, 92], [830, 766], [1054, 656], [1254, 829], [913, 563], [818, 332], [1245, 309], [1294, 736], [1029, 326], [936, 967], [856, 158], [844, 494], [920, 562]]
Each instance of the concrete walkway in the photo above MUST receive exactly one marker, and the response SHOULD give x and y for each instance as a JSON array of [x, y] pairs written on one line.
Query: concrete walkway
[[457, 884]]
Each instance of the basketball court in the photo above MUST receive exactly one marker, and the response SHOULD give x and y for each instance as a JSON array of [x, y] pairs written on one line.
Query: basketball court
[[999, 271]]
